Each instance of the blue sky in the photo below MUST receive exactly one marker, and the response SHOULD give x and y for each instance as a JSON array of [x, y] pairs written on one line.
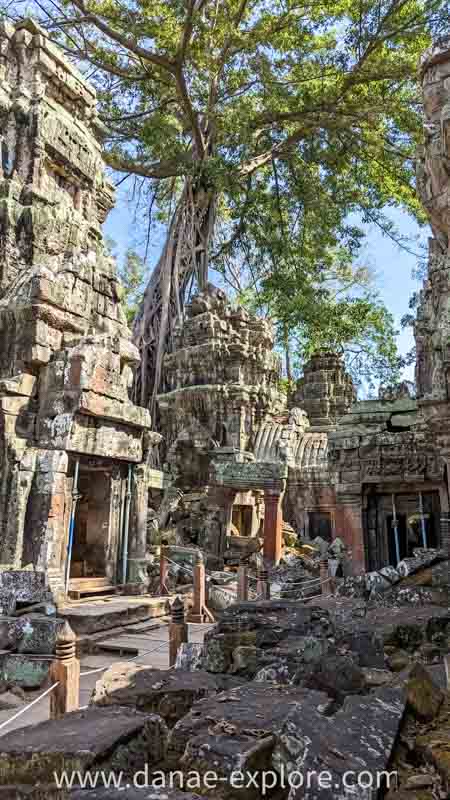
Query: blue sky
[[392, 265]]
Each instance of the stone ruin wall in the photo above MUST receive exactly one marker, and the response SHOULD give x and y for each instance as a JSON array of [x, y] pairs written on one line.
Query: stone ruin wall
[[66, 356]]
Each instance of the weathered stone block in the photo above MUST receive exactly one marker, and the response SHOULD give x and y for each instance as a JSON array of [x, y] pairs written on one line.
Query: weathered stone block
[[26, 671], [169, 694], [310, 743], [35, 633], [115, 738], [237, 730], [27, 586]]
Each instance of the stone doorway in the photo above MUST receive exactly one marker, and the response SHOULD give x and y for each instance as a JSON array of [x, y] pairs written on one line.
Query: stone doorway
[[243, 520], [412, 520], [92, 524]]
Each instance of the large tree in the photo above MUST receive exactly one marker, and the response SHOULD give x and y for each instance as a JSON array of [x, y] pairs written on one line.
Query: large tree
[[232, 109]]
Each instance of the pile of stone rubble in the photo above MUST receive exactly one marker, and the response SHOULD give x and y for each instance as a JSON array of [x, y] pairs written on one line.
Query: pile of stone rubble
[[278, 686]]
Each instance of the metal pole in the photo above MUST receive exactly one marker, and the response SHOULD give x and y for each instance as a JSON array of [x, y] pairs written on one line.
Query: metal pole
[[395, 526], [75, 497], [422, 521], [126, 527], [123, 489]]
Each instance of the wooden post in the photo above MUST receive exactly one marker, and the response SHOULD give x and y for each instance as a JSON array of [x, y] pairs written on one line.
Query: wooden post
[[163, 571], [323, 574], [198, 611], [178, 630], [262, 583], [65, 671], [242, 582]]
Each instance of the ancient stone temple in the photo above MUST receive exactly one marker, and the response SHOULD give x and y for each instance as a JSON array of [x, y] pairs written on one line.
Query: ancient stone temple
[[239, 457], [70, 438], [221, 385], [325, 391], [389, 458]]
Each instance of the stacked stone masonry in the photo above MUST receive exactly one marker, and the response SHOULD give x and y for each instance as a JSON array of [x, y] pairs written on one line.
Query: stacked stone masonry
[[66, 356]]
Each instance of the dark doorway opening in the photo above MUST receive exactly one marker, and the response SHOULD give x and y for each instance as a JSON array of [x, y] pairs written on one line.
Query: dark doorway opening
[[242, 519], [91, 530], [320, 525]]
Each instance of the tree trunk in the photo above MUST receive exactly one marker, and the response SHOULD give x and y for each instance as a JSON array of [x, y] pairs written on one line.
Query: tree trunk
[[184, 259], [287, 354]]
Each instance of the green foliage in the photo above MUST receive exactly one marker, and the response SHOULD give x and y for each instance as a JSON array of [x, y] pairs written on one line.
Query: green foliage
[[296, 115], [133, 275]]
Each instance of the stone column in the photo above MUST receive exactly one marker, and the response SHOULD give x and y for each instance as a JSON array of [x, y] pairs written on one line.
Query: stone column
[[45, 537], [137, 563], [273, 518]]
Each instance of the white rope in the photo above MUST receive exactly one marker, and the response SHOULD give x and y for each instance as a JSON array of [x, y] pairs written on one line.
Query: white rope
[[125, 661], [274, 579], [189, 570], [27, 708]]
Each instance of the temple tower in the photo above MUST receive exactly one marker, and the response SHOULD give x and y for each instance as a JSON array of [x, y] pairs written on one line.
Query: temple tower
[[68, 431]]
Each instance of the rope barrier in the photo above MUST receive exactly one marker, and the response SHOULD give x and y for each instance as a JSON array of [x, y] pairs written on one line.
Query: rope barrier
[[27, 708], [287, 583], [190, 570], [124, 661]]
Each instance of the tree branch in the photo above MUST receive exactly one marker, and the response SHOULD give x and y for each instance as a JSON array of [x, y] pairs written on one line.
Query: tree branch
[[158, 170], [125, 41]]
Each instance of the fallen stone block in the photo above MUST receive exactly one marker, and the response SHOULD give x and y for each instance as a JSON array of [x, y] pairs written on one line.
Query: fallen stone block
[[153, 793], [433, 746], [366, 644], [171, 694], [359, 737], [376, 677], [39, 792], [421, 558], [26, 585], [438, 630], [237, 731], [338, 676], [266, 625], [381, 580], [51, 792], [7, 602], [90, 619], [48, 609], [189, 656], [424, 697], [104, 738], [26, 671], [35, 633]]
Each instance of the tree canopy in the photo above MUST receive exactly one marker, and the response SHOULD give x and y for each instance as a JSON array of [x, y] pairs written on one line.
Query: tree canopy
[[253, 129]]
